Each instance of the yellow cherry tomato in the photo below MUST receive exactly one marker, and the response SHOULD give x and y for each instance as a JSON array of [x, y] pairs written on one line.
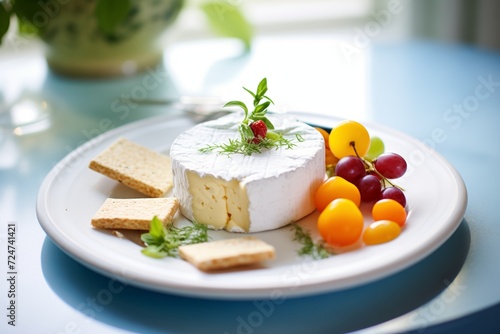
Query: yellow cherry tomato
[[381, 231], [325, 135], [333, 188], [345, 135], [341, 223], [389, 209]]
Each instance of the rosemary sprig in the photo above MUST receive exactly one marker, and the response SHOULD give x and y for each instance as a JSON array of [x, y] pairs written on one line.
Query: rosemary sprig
[[164, 241], [248, 148], [309, 247], [245, 145]]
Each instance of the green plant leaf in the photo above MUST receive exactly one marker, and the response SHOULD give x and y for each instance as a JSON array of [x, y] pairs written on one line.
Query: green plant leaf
[[4, 21], [251, 93], [267, 98], [261, 107], [110, 13], [25, 11], [262, 88], [238, 104], [245, 145], [156, 228], [156, 233], [164, 241], [268, 123], [28, 29], [154, 251], [227, 20]]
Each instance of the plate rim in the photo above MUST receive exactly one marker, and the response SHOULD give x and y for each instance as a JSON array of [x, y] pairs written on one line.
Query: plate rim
[[322, 286]]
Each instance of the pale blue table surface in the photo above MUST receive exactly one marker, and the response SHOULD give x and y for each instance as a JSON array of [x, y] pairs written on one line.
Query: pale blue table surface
[[410, 86]]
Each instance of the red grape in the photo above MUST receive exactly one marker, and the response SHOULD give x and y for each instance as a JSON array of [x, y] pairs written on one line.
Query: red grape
[[390, 165], [369, 187], [395, 194], [378, 176], [350, 168]]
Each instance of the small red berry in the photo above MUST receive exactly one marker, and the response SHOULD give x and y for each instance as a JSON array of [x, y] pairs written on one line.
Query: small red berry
[[259, 130]]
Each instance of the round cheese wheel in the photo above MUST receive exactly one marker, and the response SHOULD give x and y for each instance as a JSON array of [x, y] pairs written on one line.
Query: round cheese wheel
[[247, 193]]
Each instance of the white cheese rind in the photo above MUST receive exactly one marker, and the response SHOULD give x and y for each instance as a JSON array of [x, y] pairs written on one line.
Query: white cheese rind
[[279, 184]]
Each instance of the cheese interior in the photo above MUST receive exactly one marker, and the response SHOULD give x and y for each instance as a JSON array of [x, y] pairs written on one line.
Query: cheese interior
[[218, 203]]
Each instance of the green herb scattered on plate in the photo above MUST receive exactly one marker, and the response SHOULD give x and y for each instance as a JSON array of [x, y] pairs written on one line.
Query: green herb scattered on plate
[[309, 247]]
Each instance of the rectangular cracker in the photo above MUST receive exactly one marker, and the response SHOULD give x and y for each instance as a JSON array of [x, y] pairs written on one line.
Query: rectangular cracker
[[227, 253], [134, 213], [136, 166]]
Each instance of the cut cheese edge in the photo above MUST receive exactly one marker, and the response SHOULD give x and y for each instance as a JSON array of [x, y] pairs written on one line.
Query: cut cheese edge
[[241, 193], [218, 203]]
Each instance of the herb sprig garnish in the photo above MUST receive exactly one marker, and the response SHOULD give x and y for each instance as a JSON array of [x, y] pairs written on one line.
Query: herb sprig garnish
[[309, 247], [253, 140], [164, 241]]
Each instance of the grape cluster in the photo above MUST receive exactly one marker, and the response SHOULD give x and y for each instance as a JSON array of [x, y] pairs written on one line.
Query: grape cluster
[[359, 170], [372, 177]]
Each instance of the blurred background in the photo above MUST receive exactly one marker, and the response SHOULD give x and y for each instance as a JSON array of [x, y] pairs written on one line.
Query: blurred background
[[212, 47], [462, 21]]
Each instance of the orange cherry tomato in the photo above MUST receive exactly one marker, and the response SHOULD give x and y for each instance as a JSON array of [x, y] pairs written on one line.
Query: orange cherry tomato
[[330, 159], [333, 188], [341, 223], [381, 231], [389, 209], [325, 135]]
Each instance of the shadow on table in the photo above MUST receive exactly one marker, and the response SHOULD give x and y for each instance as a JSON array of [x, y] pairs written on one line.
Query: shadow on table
[[105, 300]]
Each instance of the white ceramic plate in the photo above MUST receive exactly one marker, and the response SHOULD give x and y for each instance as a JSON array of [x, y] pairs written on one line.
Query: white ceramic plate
[[72, 193]]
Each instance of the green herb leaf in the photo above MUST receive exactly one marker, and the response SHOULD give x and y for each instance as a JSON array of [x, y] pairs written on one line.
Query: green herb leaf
[[251, 93], [273, 135], [238, 104], [262, 88], [165, 241], [156, 229], [309, 247], [268, 123], [227, 20], [261, 107], [110, 13], [245, 145], [154, 251], [268, 99]]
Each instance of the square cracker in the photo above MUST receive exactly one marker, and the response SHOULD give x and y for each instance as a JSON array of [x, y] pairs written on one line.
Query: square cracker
[[134, 213], [136, 166], [227, 253]]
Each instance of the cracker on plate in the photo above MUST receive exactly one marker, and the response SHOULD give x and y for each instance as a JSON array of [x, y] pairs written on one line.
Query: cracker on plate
[[136, 166], [134, 213], [227, 253]]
